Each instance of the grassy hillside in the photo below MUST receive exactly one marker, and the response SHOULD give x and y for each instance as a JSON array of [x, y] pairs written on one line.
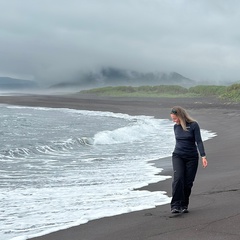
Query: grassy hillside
[[231, 93]]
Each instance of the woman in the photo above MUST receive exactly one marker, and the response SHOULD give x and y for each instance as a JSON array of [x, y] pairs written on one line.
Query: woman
[[185, 158]]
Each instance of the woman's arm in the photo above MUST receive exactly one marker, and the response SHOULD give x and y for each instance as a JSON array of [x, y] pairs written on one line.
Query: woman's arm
[[200, 146]]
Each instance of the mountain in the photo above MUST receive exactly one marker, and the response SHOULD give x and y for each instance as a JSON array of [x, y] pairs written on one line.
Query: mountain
[[7, 83], [118, 77]]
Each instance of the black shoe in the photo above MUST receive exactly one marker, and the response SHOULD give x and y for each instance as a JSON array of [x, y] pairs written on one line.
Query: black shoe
[[175, 210], [184, 210]]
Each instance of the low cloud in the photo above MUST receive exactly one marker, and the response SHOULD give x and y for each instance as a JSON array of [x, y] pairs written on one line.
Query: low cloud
[[53, 41]]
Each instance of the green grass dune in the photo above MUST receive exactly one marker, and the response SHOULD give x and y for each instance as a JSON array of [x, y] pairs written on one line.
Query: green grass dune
[[231, 93]]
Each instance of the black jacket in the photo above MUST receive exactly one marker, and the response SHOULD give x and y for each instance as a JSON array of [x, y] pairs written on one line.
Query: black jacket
[[189, 142]]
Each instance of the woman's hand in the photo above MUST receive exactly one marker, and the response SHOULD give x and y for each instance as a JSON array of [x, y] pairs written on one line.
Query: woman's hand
[[204, 162]]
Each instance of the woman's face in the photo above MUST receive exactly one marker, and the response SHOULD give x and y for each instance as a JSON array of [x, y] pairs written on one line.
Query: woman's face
[[175, 118]]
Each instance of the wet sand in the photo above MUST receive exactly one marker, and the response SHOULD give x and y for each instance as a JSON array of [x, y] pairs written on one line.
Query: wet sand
[[214, 203]]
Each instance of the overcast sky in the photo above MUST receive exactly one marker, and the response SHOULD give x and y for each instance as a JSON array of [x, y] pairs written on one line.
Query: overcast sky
[[54, 40]]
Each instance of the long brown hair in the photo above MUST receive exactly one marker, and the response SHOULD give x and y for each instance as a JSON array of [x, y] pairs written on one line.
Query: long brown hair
[[183, 116]]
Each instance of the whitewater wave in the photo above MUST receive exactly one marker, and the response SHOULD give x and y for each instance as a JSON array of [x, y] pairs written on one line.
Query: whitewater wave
[[55, 148], [137, 130]]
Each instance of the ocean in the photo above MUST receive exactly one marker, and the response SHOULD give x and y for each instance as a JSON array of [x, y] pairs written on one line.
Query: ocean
[[63, 167]]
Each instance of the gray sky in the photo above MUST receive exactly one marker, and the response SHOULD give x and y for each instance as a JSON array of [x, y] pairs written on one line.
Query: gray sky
[[54, 40]]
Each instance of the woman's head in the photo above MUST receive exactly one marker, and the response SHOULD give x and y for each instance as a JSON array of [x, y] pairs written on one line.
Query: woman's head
[[180, 116]]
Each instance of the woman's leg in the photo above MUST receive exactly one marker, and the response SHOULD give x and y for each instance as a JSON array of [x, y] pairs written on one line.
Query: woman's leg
[[191, 166], [178, 182]]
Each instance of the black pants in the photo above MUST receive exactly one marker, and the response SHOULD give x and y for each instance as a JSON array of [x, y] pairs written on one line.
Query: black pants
[[184, 172]]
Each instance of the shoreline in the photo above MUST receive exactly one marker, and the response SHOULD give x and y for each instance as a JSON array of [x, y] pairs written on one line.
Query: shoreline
[[216, 187]]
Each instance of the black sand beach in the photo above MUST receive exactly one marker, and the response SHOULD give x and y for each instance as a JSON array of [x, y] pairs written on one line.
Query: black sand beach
[[214, 203]]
